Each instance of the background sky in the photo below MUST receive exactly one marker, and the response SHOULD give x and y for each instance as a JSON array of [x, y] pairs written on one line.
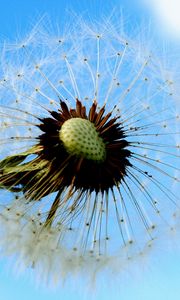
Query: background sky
[[162, 281]]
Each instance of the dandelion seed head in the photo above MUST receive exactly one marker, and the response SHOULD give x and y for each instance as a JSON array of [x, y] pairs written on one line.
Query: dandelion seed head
[[89, 151]]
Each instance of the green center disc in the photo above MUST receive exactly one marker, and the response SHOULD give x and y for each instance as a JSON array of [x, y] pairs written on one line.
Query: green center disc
[[79, 137]]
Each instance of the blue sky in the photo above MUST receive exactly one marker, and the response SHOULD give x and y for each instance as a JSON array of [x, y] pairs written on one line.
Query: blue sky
[[162, 281]]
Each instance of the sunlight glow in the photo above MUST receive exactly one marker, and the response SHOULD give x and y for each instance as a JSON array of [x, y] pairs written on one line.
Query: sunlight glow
[[168, 13]]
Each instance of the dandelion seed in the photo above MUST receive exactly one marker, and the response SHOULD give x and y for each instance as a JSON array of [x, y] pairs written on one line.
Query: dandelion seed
[[89, 151]]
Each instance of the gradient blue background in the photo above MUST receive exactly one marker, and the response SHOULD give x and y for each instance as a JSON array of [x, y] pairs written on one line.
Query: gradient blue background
[[162, 280]]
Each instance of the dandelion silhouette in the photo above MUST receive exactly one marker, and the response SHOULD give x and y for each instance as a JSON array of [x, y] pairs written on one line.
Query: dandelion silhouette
[[89, 152]]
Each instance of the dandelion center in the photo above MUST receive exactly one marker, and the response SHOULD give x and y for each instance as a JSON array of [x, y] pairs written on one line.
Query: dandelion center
[[86, 150], [80, 137]]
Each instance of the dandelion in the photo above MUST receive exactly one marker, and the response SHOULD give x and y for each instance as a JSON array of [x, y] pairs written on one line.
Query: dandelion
[[89, 150]]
